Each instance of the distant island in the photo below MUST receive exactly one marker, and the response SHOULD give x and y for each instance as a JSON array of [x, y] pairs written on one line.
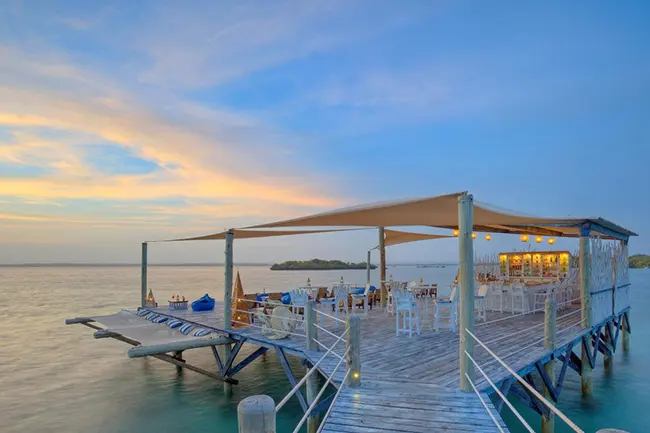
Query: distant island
[[639, 261], [318, 265]]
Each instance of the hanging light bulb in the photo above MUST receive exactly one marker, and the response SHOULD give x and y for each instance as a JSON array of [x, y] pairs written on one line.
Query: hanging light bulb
[[551, 241], [524, 238], [488, 237], [455, 233], [538, 239], [473, 235]]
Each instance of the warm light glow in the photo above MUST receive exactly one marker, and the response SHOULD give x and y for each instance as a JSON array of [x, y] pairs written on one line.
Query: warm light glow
[[355, 374], [524, 238], [551, 241], [455, 233], [538, 239], [488, 237], [473, 235]]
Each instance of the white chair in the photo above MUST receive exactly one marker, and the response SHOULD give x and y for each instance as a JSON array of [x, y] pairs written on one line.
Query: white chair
[[480, 302], [356, 297], [518, 298], [340, 296], [438, 309], [407, 307], [392, 287], [299, 298], [495, 297]]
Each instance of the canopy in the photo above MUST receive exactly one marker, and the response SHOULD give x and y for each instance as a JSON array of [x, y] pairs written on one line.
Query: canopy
[[247, 234], [442, 211], [395, 237]]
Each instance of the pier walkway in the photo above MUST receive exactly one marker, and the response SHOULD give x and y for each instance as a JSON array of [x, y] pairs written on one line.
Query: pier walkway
[[411, 384]]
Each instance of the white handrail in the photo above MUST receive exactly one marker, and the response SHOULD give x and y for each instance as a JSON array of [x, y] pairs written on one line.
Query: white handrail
[[539, 310], [528, 329], [498, 391], [259, 327], [326, 331], [330, 316], [296, 319], [528, 386], [315, 402], [496, 423], [309, 373], [325, 347]]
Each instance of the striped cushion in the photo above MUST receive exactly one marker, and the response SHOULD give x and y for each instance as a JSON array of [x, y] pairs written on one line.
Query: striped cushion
[[201, 332], [174, 323], [142, 312], [185, 329], [152, 316], [160, 319]]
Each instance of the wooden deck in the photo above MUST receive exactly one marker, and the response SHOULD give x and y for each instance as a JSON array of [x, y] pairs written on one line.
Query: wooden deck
[[410, 384]]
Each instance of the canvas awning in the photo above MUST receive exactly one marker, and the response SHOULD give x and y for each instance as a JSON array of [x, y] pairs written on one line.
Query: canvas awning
[[395, 237], [248, 234], [442, 211]]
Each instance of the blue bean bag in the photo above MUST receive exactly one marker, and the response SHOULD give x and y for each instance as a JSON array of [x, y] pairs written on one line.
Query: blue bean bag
[[286, 298], [204, 303]]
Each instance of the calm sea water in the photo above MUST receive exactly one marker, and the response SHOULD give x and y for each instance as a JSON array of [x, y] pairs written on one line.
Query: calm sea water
[[56, 378]]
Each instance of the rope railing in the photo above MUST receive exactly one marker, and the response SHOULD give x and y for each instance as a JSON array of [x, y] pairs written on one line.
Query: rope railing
[[525, 384], [330, 316], [538, 310], [250, 325]]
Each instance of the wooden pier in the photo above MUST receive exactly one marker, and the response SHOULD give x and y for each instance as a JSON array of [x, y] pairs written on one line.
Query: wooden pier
[[416, 379]]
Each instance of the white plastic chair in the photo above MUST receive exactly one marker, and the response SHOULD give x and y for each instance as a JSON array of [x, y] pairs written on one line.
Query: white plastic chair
[[340, 295], [449, 303], [299, 298], [407, 307], [495, 297], [392, 287], [518, 298], [480, 302], [356, 297]]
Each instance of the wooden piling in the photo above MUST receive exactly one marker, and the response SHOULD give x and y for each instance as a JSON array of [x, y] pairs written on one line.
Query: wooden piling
[[466, 285], [353, 339], [313, 421], [227, 350], [311, 332], [256, 414], [143, 276], [625, 324], [227, 285], [585, 294], [550, 332], [382, 268]]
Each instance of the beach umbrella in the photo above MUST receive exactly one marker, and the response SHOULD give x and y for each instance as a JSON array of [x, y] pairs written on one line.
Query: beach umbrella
[[239, 304]]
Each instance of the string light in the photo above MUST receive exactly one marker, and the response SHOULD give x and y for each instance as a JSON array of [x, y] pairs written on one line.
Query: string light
[[524, 238], [538, 239], [488, 237], [455, 233], [551, 241], [473, 235]]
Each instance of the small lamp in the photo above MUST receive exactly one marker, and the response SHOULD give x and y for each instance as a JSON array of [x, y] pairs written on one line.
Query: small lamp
[[455, 232], [551, 241], [473, 235], [538, 239], [524, 238], [488, 237]]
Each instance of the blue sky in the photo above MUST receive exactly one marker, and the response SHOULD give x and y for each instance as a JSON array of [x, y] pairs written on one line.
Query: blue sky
[[124, 121]]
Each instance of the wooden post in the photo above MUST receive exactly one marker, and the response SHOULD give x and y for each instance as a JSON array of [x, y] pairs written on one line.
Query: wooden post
[[368, 268], [466, 285], [143, 276], [626, 334], [382, 268], [227, 285], [311, 332], [550, 332], [225, 352], [585, 294], [353, 339], [256, 414], [313, 421]]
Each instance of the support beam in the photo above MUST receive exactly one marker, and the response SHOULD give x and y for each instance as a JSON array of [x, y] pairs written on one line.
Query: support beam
[[608, 353], [585, 294], [505, 389], [244, 362], [143, 276], [550, 331], [227, 351], [466, 285], [368, 268], [382, 267], [625, 329], [291, 377], [227, 285]]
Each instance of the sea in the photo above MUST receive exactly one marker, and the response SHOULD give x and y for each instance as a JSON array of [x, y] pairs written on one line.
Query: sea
[[58, 379]]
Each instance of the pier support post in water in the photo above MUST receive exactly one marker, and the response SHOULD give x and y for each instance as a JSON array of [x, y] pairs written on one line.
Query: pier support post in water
[[466, 286], [313, 421], [311, 332], [382, 268], [226, 351], [256, 414], [353, 360], [550, 332], [625, 324], [585, 294], [143, 276]]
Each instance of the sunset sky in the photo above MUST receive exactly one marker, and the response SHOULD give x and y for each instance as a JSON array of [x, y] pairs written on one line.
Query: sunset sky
[[125, 121]]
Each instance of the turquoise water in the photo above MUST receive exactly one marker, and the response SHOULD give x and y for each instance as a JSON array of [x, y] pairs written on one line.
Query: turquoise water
[[59, 379]]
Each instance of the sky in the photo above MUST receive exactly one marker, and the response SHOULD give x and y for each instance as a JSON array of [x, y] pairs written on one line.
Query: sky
[[126, 121]]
